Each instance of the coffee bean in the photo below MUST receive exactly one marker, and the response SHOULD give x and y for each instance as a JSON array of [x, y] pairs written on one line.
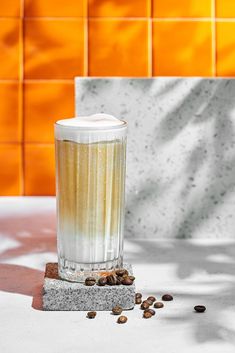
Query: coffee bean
[[125, 276], [138, 300], [200, 308], [90, 281], [121, 272], [127, 281], [149, 301], [132, 278], [151, 298], [138, 295], [122, 320], [158, 305], [151, 311], [102, 281], [147, 314], [167, 297], [117, 310], [111, 280], [91, 314], [144, 305], [118, 280]]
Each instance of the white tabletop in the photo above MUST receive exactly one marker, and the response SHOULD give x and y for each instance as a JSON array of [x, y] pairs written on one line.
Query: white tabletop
[[193, 271]]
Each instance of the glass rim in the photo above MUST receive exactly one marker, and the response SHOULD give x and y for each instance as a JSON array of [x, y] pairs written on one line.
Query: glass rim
[[92, 128]]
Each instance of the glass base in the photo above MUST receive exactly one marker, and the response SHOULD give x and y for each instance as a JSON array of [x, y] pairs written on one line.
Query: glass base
[[78, 272]]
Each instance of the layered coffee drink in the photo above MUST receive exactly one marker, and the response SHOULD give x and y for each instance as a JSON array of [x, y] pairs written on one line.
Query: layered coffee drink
[[90, 163]]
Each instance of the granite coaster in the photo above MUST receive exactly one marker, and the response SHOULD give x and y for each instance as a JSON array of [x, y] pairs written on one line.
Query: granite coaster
[[60, 295]]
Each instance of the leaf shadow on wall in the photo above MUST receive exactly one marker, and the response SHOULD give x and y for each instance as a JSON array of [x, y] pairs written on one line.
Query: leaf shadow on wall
[[211, 160]]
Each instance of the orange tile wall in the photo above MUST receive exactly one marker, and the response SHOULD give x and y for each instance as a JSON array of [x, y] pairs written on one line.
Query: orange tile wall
[[45, 43]]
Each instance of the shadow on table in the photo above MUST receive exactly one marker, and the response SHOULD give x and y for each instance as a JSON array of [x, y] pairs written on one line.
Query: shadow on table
[[186, 256], [24, 236], [22, 280], [217, 291]]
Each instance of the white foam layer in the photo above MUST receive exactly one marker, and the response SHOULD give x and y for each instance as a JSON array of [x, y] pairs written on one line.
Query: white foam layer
[[90, 129], [92, 121]]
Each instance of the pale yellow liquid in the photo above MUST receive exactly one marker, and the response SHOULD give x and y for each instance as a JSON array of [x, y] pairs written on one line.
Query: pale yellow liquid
[[90, 200]]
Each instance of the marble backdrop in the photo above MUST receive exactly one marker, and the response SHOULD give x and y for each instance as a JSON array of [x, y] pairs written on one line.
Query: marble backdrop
[[181, 152]]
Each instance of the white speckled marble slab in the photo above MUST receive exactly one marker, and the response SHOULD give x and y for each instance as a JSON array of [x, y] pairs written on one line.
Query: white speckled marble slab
[[181, 152]]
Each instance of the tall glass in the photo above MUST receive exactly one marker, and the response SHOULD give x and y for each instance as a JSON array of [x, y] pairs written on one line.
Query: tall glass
[[90, 190]]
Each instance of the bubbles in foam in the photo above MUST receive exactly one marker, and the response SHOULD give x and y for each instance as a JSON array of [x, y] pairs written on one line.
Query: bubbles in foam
[[92, 121]]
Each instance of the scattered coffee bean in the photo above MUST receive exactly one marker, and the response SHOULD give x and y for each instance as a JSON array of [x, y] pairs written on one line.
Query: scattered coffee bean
[[122, 320], [127, 281], [138, 295], [90, 281], [102, 281], [111, 280], [117, 310], [144, 305], [147, 314], [125, 276], [151, 298], [158, 305], [118, 280], [149, 301], [91, 314], [138, 300], [200, 308], [121, 272], [151, 311], [132, 278], [167, 297]]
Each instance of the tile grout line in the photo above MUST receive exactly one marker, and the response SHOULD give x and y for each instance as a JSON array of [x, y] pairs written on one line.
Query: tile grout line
[[11, 143], [47, 80], [150, 48], [86, 29], [150, 42], [38, 143], [213, 35], [21, 98], [100, 18], [85, 68], [27, 143], [159, 19]]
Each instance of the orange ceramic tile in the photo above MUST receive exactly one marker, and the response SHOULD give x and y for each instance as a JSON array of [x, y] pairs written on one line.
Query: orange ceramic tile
[[53, 49], [10, 171], [9, 48], [44, 103], [39, 169], [225, 49], [225, 8], [54, 8], [182, 48], [182, 8], [10, 112], [118, 48], [119, 8], [10, 8]]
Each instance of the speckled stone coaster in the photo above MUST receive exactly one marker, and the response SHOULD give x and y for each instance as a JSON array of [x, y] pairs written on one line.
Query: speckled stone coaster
[[60, 295]]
